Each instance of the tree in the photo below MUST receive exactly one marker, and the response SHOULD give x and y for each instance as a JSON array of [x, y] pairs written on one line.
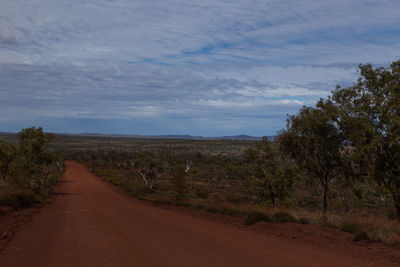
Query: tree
[[178, 182], [275, 174], [6, 157], [31, 165], [314, 140], [370, 119], [146, 167]]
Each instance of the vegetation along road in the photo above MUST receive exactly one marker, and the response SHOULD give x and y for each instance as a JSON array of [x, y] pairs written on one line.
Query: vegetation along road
[[91, 223]]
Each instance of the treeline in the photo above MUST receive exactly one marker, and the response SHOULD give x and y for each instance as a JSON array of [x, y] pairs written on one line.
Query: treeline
[[352, 136], [342, 155], [28, 168]]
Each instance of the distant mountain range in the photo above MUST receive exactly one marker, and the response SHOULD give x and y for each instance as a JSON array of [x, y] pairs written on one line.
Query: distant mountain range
[[188, 137]]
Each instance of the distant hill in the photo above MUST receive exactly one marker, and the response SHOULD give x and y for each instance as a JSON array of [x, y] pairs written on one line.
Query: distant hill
[[188, 137]]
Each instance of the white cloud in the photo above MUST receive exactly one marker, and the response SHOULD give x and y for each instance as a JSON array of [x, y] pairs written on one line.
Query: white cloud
[[183, 61]]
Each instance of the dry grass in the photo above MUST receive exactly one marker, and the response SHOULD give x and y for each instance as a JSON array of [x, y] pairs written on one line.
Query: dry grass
[[369, 228], [373, 229]]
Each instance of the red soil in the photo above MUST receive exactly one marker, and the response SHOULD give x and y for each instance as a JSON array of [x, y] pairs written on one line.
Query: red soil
[[91, 223]]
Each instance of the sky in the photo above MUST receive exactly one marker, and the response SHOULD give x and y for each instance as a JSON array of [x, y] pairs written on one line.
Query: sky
[[209, 68]]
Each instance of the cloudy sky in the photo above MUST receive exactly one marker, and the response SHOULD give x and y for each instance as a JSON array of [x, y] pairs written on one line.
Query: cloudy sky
[[207, 67]]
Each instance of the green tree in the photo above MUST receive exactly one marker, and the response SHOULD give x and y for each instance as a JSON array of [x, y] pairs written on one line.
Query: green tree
[[31, 166], [275, 174], [6, 158], [178, 182], [370, 119], [314, 140]]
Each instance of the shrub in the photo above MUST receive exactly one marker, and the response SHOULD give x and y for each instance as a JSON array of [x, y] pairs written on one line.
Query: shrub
[[362, 236], [284, 217], [350, 227], [17, 199], [198, 207], [235, 199], [142, 189], [160, 201], [178, 183], [230, 212], [212, 210], [256, 216], [202, 193]]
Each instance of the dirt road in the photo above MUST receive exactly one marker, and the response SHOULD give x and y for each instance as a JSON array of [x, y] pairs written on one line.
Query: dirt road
[[90, 223]]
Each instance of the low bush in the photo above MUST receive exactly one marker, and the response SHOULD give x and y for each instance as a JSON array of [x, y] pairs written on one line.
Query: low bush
[[231, 212], [284, 217], [256, 216], [362, 236], [198, 207], [162, 201], [202, 193], [236, 199], [212, 210], [17, 199], [350, 227]]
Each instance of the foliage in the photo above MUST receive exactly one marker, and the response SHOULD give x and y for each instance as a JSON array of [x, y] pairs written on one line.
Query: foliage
[[256, 216], [179, 183], [313, 139], [284, 217], [16, 199], [370, 118], [274, 174], [28, 168]]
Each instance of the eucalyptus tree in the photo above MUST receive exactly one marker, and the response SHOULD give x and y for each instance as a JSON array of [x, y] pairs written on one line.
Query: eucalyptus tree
[[31, 166], [314, 140], [275, 174], [370, 119], [6, 158]]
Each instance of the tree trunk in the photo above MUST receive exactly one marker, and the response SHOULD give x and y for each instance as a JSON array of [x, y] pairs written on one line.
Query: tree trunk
[[45, 181], [397, 205], [396, 200], [326, 191], [273, 201]]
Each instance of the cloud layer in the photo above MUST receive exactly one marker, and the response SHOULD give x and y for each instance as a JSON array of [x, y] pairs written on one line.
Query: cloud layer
[[176, 67]]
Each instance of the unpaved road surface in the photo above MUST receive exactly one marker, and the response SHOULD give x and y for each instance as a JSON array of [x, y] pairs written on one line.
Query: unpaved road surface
[[90, 223]]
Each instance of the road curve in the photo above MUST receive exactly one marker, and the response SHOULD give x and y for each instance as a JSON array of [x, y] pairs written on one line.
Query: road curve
[[89, 223]]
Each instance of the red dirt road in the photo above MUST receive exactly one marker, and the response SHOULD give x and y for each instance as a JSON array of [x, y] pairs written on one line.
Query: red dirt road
[[90, 223]]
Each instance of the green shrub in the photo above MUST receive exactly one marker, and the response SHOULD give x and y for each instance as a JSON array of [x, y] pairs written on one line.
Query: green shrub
[[236, 199], [143, 189], [212, 210], [256, 216], [162, 201], [198, 207], [17, 199], [202, 193], [350, 227], [284, 217], [181, 204], [231, 212], [362, 236]]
